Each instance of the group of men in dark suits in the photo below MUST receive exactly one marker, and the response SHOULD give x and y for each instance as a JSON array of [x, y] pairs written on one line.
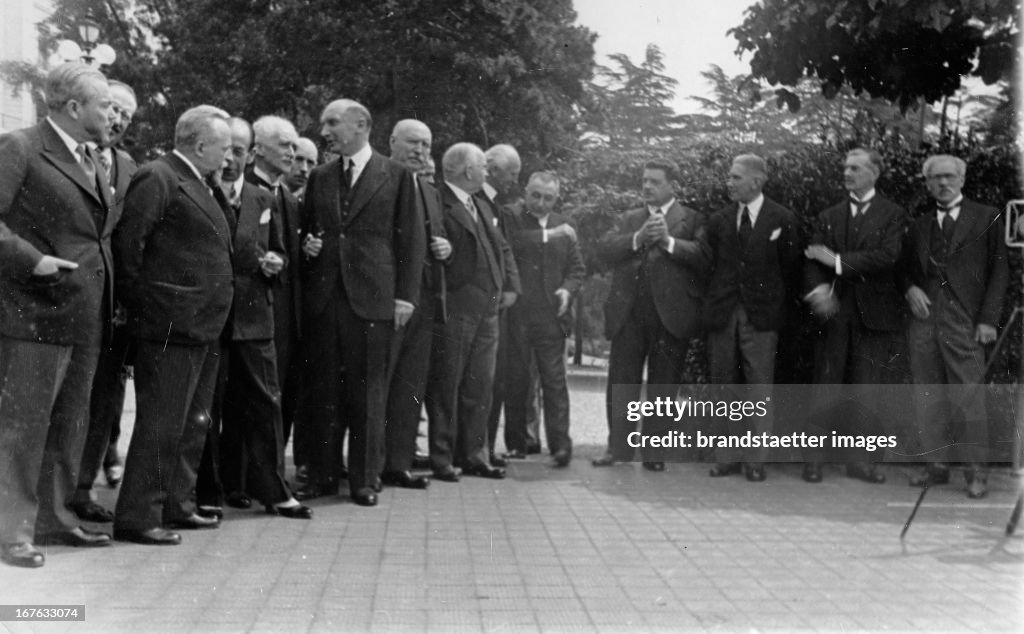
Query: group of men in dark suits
[[863, 266]]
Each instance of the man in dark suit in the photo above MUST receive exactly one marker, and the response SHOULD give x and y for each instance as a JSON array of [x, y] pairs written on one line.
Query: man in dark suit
[[850, 272], [173, 251], [365, 246], [659, 261], [273, 159], [55, 278], [955, 277], [106, 402], [481, 277], [244, 448], [754, 248], [410, 146], [550, 271]]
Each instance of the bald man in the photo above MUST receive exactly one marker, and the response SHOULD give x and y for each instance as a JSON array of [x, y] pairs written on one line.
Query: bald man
[[365, 246]]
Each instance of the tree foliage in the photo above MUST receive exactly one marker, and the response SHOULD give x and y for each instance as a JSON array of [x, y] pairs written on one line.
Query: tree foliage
[[484, 71], [898, 50]]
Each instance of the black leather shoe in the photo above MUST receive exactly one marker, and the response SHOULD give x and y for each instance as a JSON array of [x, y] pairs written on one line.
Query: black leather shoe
[[497, 461], [365, 497], [298, 512], [723, 469], [22, 555], [812, 473], [865, 472], [307, 491], [515, 454], [239, 500], [604, 461], [421, 461], [446, 474], [404, 479], [377, 486], [152, 537], [931, 476], [92, 512], [561, 458], [656, 466], [755, 472], [194, 522], [481, 470], [211, 511], [78, 537]]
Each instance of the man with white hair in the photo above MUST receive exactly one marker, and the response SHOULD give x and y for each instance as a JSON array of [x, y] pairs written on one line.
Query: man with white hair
[[364, 244], [481, 277], [176, 281], [275, 143], [955, 278], [55, 295]]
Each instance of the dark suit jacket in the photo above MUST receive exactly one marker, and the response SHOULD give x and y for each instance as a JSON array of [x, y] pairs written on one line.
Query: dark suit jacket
[[47, 207], [677, 279], [757, 277], [252, 312], [544, 267], [123, 168], [869, 263], [433, 271], [463, 264], [173, 252], [976, 267], [375, 252], [287, 227]]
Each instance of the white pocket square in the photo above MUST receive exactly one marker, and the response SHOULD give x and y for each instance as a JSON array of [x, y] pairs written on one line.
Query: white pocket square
[[265, 216], [775, 234]]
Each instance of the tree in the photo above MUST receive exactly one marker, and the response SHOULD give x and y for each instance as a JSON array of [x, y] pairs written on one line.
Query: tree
[[484, 71], [898, 50], [631, 102]]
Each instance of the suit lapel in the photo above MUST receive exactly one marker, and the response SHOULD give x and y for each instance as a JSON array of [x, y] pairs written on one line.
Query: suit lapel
[[458, 211], [370, 180], [196, 190], [58, 154], [923, 227], [964, 225]]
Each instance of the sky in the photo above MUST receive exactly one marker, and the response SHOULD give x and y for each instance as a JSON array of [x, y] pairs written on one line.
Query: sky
[[690, 33]]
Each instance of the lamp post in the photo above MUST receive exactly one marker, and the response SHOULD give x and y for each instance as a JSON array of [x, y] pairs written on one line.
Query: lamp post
[[93, 54]]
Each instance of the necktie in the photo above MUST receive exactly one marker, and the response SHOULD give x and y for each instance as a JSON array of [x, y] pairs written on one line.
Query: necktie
[[947, 222], [347, 179], [88, 166], [471, 208], [859, 206], [746, 228]]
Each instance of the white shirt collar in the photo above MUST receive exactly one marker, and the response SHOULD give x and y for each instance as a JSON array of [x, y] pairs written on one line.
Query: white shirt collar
[[460, 193], [359, 161], [189, 163], [65, 137], [664, 208], [490, 191], [542, 220], [954, 208], [235, 188], [753, 208], [866, 198], [274, 182]]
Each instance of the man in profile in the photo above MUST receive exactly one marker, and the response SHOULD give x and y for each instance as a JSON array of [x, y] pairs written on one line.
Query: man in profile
[[55, 299], [305, 160], [173, 249]]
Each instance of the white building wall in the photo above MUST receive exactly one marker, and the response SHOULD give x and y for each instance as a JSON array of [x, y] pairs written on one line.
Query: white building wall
[[19, 41]]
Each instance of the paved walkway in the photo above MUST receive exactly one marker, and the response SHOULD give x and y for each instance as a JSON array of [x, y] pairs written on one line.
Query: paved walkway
[[576, 550]]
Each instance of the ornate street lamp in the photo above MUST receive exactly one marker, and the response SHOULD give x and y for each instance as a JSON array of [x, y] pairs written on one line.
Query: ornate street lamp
[[93, 54]]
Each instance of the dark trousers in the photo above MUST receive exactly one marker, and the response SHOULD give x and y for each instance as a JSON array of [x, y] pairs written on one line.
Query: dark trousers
[[643, 340], [459, 392], [289, 379], [411, 362], [519, 435], [739, 353], [851, 362], [44, 401], [943, 351], [106, 405], [248, 455], [346, 389], [174, 386], [542, 341]]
